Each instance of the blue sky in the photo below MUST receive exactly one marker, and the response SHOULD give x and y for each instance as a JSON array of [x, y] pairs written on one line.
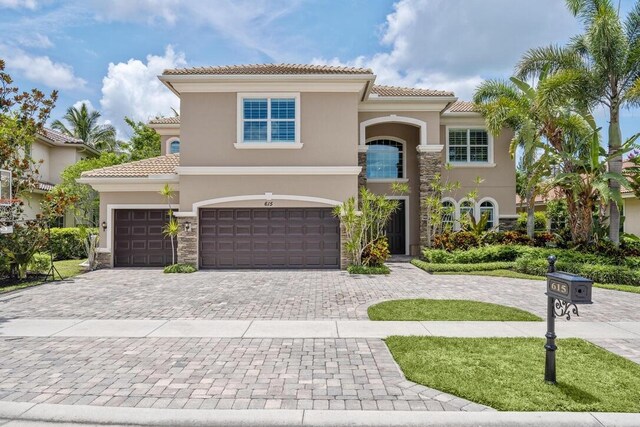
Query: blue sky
[[109, 52]]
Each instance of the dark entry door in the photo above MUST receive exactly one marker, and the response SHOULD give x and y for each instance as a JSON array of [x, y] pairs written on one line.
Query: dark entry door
[[138, 238], [396, 230], [269, 238]]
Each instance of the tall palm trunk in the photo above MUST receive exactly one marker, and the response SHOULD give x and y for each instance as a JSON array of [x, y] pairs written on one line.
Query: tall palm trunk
[[615, 166], [531, 217]]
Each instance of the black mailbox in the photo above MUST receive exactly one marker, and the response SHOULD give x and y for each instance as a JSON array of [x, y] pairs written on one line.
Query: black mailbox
[[569, 287]]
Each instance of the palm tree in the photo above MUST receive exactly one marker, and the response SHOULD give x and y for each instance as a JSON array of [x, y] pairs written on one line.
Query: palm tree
[[83, 124], [516, 105], [599, 67]]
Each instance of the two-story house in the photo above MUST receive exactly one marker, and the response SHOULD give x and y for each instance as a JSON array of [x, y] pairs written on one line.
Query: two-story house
[[53, 152], [261, 154]]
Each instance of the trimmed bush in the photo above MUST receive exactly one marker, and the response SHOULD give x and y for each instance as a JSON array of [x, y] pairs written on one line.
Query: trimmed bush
[[540, 221], [180, 268], [487, 266], [457, 240], [363, 269], [597, 272], [40, 263], [68, 243], [376, 254]]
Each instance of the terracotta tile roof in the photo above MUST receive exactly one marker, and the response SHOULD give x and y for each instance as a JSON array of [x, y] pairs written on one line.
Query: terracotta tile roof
[[407, 91], [175, 120], [161, 165], [462, 107], [56, 136], [267, 69]]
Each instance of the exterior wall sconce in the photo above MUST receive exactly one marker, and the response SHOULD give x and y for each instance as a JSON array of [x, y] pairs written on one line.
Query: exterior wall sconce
[[187, 227], [104, 225]]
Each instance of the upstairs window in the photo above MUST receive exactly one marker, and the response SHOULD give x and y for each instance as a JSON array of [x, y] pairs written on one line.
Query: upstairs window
[[269, 119], [385, 159], [174, 147], [468, 145]]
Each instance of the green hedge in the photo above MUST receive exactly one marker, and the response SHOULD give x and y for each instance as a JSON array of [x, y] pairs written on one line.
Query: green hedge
[[597, 272], [363, 269], [487, 266], [40, 263], [68, 243]]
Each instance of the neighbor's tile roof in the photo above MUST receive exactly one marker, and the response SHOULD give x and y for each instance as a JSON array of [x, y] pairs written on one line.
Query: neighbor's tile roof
[[56, 136], [462, 107], [175, 120], [407, 91], [267, 69], [161, 165]]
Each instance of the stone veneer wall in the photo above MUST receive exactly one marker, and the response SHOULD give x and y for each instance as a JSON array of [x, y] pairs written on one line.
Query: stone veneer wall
[[362, 176], [429, 164], [188, 241], [344, 258], [507, 224], [103, 260]]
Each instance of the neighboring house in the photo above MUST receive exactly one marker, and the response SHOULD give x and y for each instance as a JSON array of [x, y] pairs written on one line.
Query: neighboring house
[[53, 151], [261, 154], [630, 207]]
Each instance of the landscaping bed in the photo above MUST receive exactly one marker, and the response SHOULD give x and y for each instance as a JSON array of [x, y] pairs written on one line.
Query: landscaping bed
[[67, 268], [455, 310], [508, 373]]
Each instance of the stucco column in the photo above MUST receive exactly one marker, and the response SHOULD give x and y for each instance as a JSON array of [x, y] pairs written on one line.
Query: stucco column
[[429, 164], [188, 240]]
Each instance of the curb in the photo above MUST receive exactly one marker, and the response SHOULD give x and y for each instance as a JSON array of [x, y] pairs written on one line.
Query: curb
[[85, 414]]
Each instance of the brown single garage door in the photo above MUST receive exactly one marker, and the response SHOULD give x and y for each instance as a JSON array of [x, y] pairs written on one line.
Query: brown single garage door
[[138, 238], [269, 238]]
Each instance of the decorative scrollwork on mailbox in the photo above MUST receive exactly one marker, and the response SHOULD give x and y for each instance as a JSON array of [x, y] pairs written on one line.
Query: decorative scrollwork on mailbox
[[565, 309]]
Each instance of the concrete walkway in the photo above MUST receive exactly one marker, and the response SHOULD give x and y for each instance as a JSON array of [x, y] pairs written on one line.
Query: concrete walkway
[[19, 414], [138, 328]]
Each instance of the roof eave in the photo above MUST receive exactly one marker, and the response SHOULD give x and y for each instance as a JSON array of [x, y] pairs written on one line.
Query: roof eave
[[410, 98], [164, 178], [462, 114]]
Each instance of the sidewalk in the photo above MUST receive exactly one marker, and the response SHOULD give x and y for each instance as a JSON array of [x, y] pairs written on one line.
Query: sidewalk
[[139, 328], [22, 413]]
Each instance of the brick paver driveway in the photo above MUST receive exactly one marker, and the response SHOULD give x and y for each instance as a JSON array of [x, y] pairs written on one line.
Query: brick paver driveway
[[150, 294], [241, 373]]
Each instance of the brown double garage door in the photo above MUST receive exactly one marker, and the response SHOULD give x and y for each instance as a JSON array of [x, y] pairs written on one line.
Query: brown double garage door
[[269, 238]]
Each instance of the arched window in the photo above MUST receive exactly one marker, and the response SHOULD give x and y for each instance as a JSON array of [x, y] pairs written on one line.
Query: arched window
[[466, 210], [174, 147], [448, 215], [487, 208], [385, 159]]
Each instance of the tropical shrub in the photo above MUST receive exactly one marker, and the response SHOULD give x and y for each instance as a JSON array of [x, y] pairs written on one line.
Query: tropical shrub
[[456, 240], [364, 269], [180, 268], [544, 238], [540, 221], [377, 253], [40, 263], [69, 243], [461, 268], [19, 247]]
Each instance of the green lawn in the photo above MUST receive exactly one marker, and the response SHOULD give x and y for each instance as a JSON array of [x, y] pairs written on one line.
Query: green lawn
[[432, 309], [515, 275], [508, 373], [67, 268]]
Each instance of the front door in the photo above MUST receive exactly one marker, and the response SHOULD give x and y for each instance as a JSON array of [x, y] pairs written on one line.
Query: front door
[[396, 230]]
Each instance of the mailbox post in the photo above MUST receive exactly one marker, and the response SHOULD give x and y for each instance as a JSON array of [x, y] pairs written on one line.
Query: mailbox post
[[564, 291]]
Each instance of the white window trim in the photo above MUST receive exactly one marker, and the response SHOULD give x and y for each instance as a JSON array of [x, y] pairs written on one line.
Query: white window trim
[[496, 210], [407, 222], [404, 160], [490, 161], [456, 211], [241, 144], [167, 148], [476, 210]]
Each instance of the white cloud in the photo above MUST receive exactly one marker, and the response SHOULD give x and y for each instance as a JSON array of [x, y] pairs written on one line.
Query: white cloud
[[132, 89], [41, 69], [455, 44], [139, 10], [17, 4], [35, 40], [88, 103]]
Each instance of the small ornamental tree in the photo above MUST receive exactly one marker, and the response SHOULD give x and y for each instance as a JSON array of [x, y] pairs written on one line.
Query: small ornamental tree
[[365, 222], [145, 142], [440, 217], [171, 228]]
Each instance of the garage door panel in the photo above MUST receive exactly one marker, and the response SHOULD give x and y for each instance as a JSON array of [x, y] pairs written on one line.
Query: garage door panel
[[138, 238], [269, 238]]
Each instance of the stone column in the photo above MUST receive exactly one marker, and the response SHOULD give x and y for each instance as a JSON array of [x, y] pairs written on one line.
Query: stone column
[[103, 260], [344, 257], [507, 224], [429, 164], [188, 240], [362, 162]]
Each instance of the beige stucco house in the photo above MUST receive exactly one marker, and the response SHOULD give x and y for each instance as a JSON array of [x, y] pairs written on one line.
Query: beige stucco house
[[53, 152], [261, 154]]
